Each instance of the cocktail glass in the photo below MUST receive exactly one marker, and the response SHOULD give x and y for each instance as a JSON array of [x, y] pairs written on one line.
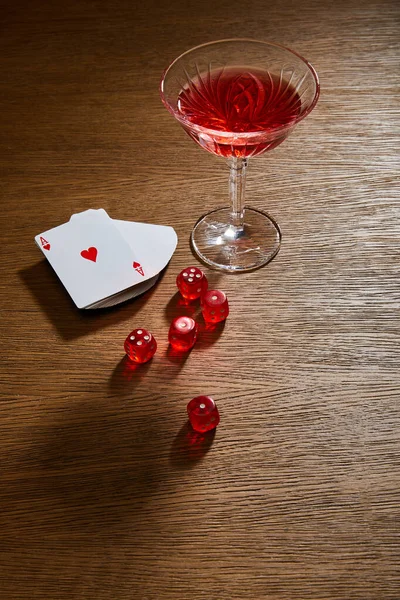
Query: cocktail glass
[[238, 98]]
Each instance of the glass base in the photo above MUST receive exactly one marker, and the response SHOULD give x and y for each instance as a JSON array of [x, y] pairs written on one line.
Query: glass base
[[236, 249]]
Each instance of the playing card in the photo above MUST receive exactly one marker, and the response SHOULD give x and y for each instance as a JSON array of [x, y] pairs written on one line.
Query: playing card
[[128, 294], [91, 257], [153, 245]]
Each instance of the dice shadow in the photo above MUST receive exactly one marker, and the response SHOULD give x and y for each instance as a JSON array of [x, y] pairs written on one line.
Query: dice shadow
[[209, 333], [189, 446], [128, 374], [176, 358], [179, 306]]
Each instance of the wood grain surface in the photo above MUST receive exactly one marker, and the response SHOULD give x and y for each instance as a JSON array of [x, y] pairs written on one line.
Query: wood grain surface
[[105, 494]]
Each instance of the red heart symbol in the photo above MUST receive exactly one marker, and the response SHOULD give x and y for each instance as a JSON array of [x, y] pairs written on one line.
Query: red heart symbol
[[138, 267], [45, 243], [90, 254]]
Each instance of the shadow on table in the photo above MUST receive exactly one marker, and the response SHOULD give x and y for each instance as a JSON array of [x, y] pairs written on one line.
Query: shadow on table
[[189, 447], [175, 360], [179, 306], [71, 322], [208, 334], [128, 374], [88, 469]]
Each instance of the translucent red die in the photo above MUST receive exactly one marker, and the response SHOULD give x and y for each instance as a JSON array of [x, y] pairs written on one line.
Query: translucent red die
[[140, 345], [203, 413], [183, 333], [192, 283], [214, 306]]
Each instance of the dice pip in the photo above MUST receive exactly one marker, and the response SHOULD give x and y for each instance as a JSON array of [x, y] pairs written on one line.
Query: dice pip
[[192, 283], [203, 413], [214, 306], [183, 333], [140, 345]]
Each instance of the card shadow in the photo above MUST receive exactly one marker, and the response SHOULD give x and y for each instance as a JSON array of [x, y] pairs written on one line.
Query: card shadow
[[190, 446], [70, 321]]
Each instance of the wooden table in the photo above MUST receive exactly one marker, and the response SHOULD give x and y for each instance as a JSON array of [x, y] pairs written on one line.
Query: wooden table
[[104, 493]]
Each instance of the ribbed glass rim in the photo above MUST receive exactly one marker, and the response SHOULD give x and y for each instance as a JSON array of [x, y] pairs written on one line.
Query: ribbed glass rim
[[238, 135]]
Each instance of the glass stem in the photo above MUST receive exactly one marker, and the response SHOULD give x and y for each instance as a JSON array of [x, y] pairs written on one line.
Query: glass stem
[[237, 184]]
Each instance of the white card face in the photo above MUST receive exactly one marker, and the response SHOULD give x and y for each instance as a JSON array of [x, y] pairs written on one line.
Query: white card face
[[153, 245], [91, 257]]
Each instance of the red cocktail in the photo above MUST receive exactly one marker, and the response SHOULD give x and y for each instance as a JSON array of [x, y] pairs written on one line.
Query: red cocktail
[[238, 99]]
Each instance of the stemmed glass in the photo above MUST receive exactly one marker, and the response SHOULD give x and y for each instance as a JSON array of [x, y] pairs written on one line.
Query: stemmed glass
[[237, 99]]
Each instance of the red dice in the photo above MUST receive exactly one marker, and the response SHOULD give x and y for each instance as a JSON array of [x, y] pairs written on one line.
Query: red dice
[[183, 333], [214, 306], [140, 345], [203, 413], [192, 283]]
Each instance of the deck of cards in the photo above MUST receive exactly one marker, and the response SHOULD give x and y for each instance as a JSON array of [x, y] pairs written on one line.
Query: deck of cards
[[101, 261]]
